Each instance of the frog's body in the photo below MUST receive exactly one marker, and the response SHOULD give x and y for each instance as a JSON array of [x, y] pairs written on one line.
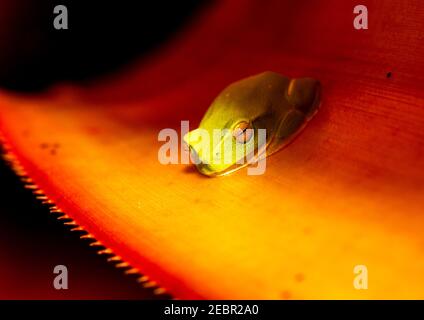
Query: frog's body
[[268, 101]]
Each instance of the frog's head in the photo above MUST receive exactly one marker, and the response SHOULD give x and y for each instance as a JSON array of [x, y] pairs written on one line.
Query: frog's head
[[228, 135]]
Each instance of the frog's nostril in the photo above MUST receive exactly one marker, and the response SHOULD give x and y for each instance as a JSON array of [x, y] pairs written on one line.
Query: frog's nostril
[[186, 146]]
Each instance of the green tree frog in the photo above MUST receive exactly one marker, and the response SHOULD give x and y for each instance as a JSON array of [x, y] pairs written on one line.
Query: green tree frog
[[228, 137]]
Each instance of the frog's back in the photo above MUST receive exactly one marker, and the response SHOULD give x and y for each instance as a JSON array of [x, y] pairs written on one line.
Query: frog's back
[[253, 96]]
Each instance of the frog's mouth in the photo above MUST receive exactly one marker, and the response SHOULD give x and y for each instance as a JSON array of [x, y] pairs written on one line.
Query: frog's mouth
[[217, 160], [201, 165], [207, 170], [210, 169]]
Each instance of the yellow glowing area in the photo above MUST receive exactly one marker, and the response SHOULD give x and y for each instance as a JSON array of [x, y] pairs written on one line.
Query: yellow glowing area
[[297, 231]]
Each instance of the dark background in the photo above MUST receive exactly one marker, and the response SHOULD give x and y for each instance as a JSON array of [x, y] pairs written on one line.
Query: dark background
[[103, 36]]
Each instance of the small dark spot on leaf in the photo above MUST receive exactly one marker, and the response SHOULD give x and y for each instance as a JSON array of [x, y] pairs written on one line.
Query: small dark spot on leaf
[[307, 231], [299, 277], [285, 295], [389, 75], [44, 145]]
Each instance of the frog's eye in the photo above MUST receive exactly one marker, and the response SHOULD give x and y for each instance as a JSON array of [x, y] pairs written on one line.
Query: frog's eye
[[243, 132]]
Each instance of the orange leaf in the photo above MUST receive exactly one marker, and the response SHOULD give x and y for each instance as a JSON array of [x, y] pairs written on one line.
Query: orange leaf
[[348, 191]]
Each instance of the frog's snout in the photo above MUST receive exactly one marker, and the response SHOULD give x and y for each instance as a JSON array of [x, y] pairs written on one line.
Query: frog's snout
[[208, 156], [194, 143]]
